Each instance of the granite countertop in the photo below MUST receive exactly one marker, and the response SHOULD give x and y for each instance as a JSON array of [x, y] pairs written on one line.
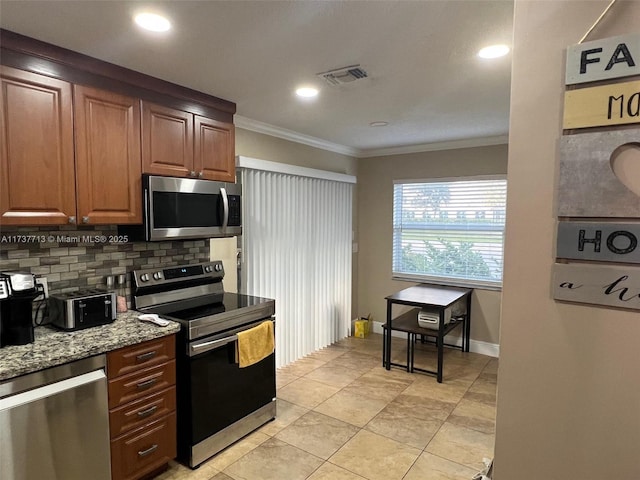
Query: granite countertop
[[54, 347]]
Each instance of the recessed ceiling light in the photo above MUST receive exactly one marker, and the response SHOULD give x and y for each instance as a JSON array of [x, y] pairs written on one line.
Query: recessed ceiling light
[[493, 51], [152, 21], [378, 124], [307, 92]]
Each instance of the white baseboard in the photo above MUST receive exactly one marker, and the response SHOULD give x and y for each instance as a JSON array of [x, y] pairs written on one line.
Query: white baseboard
[[475, 346]]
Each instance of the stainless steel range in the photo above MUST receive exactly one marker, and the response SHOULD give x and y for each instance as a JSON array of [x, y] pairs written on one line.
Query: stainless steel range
[[218, 402]]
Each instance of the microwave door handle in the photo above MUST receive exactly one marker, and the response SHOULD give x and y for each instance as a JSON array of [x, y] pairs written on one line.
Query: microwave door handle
[[148, 215], [225, 208]]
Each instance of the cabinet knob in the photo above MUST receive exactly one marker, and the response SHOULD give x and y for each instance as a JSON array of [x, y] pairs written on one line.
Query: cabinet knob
[[192, 173], [85, 219], [200, 175], [72, 219]]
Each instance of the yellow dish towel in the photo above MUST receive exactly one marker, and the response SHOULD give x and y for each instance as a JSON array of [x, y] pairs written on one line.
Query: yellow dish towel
[[255, 344]]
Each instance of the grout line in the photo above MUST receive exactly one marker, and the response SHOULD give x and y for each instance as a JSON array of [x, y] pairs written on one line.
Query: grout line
[[452, 461], [412, 465], [346, 469]]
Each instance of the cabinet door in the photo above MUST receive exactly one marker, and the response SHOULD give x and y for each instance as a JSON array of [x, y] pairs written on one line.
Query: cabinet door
[[167, 141], [37, 179], [108, 158], [215, 149]]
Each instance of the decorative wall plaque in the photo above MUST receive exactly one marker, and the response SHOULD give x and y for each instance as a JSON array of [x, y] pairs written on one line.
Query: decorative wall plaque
[[598, 285], [587, 185], [615, 104], [604, 242], [613, 57]]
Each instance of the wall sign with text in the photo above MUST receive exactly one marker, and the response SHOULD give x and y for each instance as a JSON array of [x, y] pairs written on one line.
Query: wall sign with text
[[613, 57], [615, 104], [588, 188], [604, 242], [597, 285]]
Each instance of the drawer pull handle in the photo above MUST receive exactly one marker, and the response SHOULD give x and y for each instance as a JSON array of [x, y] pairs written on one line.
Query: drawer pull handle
[[146, 383], [148, 412], [146, 356], [151, 449]]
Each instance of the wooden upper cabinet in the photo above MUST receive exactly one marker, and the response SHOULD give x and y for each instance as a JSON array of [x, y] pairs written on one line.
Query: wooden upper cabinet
[[36, 141], [167, 141], [214, 149], [181, 144], [108, 157]]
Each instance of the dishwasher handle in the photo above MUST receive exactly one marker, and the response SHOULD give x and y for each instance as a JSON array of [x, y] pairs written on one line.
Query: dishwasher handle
[[50, 390]]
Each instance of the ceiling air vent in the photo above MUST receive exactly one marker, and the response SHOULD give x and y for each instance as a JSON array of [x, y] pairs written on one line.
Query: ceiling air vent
[[343, 75]]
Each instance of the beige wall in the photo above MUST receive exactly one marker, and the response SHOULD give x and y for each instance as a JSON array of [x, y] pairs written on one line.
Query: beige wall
[[569, 376], [274, 149], [375, 207]]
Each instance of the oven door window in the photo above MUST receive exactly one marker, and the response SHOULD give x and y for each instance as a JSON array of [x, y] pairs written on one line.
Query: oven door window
[[222, 392]]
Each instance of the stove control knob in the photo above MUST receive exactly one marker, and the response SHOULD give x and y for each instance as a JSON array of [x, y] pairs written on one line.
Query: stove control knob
[[144, 277], [157, 276], [208, 268], [218, 267]]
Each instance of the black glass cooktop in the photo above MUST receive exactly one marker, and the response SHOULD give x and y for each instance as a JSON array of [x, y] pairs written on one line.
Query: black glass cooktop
[[230, 302]]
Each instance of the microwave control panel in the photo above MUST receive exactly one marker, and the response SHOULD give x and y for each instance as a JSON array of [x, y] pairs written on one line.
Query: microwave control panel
[[235, 209]]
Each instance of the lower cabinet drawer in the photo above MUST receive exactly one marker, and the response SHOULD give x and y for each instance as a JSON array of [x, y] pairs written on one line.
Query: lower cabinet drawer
[[139, 413], [142, 451], [142, 355], [141, 383]]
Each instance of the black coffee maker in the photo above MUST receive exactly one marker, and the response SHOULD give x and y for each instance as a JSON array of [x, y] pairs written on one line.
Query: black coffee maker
[[17, 292]]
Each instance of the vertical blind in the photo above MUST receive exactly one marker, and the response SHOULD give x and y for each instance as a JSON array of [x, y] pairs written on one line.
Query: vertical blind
[[297, 249], [450, 230]]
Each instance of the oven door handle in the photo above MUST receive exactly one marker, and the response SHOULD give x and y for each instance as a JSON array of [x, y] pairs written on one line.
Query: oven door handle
[[206, 346]]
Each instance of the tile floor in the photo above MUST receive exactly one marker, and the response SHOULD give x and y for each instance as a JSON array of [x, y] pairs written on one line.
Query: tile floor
[[341, 416]]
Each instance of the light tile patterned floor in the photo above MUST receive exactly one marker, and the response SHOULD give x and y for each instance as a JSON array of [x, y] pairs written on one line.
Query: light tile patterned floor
[[341, 416]]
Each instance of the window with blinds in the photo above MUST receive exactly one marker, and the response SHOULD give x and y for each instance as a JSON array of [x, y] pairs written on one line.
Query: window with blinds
[[450, 231]]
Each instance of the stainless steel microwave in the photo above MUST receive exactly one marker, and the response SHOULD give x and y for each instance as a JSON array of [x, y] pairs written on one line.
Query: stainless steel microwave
[[184, 208]]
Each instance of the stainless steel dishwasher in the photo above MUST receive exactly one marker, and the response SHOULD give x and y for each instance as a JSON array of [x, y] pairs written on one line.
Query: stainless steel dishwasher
[[54, 424]]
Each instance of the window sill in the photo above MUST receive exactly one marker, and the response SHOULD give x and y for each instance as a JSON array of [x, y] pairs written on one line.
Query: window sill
[[448, 282]]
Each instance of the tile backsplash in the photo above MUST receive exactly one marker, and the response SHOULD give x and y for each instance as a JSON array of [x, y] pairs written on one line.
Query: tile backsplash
[[77, 257]]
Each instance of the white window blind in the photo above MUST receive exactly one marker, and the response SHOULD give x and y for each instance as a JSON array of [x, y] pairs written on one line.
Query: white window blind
[[297, 250], [450, 231]]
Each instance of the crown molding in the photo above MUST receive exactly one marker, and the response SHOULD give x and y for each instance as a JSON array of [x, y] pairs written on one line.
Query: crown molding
[[432, 147], [292, 136], [272, 130], [276, 167]]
